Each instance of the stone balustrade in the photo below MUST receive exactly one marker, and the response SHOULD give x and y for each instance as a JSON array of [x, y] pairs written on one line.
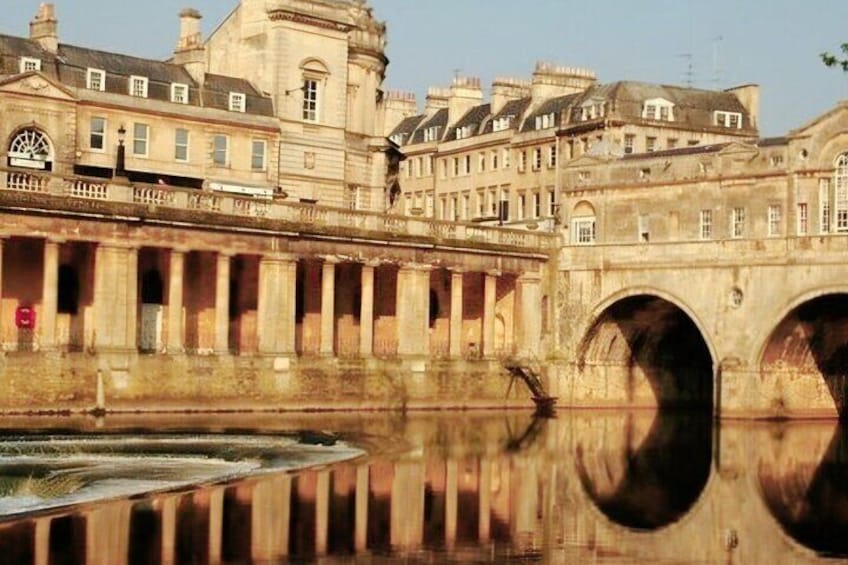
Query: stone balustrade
[[294, 212]]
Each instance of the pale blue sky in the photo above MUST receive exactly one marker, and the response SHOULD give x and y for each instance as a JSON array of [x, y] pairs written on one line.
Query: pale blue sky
[[774, 43]]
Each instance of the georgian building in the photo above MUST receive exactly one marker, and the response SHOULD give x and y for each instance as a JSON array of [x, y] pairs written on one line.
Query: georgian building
[[282, 100], [503, 160]]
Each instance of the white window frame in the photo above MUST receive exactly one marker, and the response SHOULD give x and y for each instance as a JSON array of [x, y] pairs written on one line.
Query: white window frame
[[802, 220], [506, 156], [706, 225], [737, 222], [650, 144], [100, 134], [583, 230], [254, 143], [178, 145], [552, 202], [839, 217], [775, 218], [537, 159], [825, 224], [238, 102], [140, 82], [552, 156], [658, 109], [629, 143], [179, 93], [725, 119], [311, 99], [216, 151], [90, 75], [30, 64], [137, 128]]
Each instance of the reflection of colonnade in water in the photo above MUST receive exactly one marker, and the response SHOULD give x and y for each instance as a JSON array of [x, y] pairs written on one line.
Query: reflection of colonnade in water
[[587, 486]]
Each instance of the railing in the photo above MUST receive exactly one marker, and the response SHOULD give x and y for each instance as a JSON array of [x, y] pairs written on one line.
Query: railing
[[153, 195], [88, 189], [28, 182], [297, 212]]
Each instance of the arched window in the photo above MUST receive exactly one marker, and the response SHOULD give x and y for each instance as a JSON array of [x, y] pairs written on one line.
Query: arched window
[[30, 149], [315, 75], [840, 192], [583, 224]]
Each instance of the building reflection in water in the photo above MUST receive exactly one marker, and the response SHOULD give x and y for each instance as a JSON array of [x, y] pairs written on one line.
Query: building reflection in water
[[640, 486]]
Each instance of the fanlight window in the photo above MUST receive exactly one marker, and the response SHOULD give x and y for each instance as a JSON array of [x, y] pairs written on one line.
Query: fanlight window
[[31, 149]]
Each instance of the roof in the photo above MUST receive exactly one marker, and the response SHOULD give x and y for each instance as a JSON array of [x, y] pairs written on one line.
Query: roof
[[407, 126], [553, 106], [693, 107], [70, 64], [772, 141], [473, 119], [439, 119], [515, 108]]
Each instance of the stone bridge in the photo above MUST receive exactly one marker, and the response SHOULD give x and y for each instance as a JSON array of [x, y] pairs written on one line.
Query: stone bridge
[[752, 328]]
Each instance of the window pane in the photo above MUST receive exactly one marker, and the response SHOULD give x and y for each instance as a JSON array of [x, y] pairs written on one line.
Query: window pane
[[310, 100], [98, 133], [181, 145], [257, 160], [140, 135], [219, 155]]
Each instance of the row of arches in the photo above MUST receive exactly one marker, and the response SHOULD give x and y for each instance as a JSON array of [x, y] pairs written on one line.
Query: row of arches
[[657, 354]]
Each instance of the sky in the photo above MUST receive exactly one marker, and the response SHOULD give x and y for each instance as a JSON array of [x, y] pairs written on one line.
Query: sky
[[715, 44]]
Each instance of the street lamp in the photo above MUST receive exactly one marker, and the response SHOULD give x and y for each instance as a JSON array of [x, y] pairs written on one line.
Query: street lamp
[[120, 165]]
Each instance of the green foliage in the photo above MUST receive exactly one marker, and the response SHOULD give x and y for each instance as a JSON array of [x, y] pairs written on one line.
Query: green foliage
[[832, 60]]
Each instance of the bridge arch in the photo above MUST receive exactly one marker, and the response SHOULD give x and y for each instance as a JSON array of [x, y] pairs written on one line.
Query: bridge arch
[[646, 347], [803, 353]]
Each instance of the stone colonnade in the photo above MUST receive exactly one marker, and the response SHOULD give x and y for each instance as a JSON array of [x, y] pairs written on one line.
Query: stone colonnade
[[111, 297]]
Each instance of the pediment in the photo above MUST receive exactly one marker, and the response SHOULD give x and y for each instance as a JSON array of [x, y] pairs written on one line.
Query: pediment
[[37, 84], [739, 150], [585, 161]]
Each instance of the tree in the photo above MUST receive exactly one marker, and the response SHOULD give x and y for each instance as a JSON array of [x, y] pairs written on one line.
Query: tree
[[832, 60]]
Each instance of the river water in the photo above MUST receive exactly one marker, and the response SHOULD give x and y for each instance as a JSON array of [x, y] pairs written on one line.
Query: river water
[[602, 487]]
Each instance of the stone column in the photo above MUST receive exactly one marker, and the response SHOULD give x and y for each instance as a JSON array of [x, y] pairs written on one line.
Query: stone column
[[485, 498], [175, 303], [107, 533], [216, 524], [489, 302], [529, 315], [456, 314], [2, 317], [276, 308], [115, 295], [361, 524], [407, 505], [328, 306], [49, 295], [168, 517], [222, 304], [42, 541], [451, 502], [322, 512], [271, 519], [366, 312], [413, 310]]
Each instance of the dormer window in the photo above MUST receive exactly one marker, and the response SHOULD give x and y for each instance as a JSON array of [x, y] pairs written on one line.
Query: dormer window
[[30, 64], [179, 93], [138, 86], [431, 134], [398, 138], [237, 102], [658, 109], [732, 120], [502, 123], [591, 110], [545, 121], [463, 132], [95, 79]]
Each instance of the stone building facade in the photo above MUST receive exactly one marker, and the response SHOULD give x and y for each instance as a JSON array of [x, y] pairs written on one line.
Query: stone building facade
[[501, 161]]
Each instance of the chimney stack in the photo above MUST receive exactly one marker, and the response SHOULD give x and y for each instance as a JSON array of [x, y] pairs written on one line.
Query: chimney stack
[[44, 28], [398, 106], [190, 51], [437, 99], [507, 89], [551, 80], [465, 93]]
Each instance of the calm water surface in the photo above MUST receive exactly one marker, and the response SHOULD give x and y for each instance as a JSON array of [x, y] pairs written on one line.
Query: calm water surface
[[604, 487]]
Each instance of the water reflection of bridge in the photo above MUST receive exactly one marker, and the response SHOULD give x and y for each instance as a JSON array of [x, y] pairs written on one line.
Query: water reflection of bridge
[[587, 486]]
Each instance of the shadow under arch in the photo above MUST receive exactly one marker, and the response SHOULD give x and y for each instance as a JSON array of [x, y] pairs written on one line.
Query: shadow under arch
[[807, 493], [649, 341], [648, 480], [811, 340]]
